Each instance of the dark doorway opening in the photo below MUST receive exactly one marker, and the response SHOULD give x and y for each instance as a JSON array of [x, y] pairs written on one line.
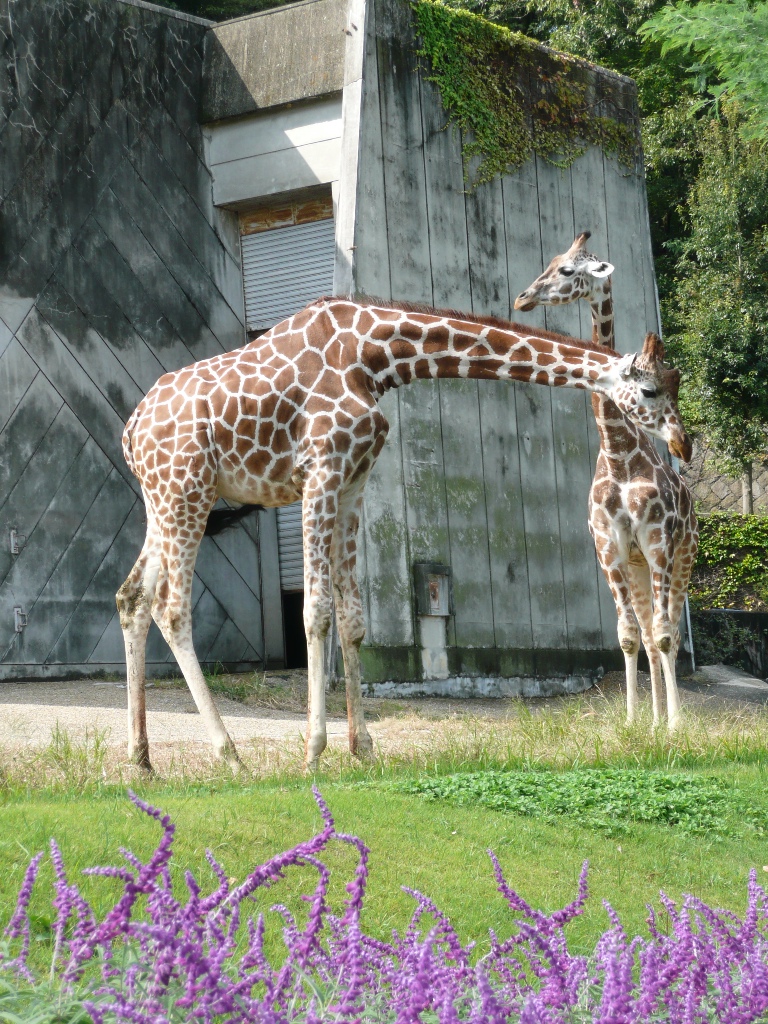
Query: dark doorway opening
[[293, 629]]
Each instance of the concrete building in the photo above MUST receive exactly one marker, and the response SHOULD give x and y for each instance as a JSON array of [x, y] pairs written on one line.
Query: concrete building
[[168, 186]]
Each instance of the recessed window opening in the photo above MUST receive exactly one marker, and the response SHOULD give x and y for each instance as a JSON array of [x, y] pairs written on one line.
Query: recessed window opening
[[288, 254]]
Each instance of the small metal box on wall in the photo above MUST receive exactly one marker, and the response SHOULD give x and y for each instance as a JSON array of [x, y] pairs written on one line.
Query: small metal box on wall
[[433, 583]]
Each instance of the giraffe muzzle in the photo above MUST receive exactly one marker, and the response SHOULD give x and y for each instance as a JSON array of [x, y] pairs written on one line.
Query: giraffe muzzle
[[523, 303], [681, 447]]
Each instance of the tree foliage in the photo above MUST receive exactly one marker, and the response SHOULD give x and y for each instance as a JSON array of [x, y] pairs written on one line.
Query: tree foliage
[[719, 307], [730, 38]]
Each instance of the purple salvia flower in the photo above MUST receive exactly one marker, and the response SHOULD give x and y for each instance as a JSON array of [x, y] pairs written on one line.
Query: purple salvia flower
[[18, 927], [183, 961], [116, 921], [616, 959], [490, 1009], [444, 930]]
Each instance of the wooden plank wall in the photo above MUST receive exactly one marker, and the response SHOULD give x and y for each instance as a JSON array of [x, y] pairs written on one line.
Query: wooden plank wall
[[115, 268], [490, 477]]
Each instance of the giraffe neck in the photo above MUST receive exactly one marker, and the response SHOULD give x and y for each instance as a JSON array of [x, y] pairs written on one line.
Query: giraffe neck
[[607, 417], [398, 346], [620, 439], [602, 317]]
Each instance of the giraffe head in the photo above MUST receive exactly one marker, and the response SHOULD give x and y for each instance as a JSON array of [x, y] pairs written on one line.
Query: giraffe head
[[646, 389], [576, 274]]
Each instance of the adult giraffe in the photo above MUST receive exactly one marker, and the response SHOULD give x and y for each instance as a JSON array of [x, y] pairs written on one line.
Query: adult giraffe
[[294, 414], [641, 513]]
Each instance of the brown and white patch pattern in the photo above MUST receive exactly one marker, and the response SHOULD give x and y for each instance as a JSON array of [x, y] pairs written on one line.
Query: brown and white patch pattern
[[294, 414], [641, 512]]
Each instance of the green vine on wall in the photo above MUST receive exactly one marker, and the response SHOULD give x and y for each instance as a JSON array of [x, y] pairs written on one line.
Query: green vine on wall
[[510, 98], [731, 568]]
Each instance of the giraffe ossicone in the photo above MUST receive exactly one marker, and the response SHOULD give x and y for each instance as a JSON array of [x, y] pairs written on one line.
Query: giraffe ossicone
[[641, 514], [294, 415]]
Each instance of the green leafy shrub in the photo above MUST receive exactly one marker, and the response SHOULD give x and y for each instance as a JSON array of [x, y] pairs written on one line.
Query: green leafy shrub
[[731, 568], [605, 799]]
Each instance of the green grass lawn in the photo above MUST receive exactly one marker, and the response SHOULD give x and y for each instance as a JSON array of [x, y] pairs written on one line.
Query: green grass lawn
[[77, 794], [436, 847]]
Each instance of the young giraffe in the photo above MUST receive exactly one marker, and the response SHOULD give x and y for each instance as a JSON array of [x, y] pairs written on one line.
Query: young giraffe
[[640, 510], [294, 414]]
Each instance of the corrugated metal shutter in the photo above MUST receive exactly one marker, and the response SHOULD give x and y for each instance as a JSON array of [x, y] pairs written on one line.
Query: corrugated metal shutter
[[289, 546], [284, 269]]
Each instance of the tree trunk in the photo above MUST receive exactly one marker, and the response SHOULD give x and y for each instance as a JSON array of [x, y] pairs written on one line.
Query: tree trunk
[[747, 501]]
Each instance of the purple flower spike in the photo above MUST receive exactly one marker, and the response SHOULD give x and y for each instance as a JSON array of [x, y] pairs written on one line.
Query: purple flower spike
[[165, 961], [18, 927]]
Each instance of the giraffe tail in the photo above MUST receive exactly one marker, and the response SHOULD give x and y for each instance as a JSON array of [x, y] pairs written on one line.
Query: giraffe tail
[[223, 518]]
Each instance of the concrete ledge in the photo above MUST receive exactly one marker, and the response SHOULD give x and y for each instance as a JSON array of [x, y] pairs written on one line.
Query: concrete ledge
[[489, 686], [276, 57], [168, 12], [403, 665], [155, 670]]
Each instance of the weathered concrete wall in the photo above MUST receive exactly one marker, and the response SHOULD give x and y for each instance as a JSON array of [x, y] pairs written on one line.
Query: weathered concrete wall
[[490, 478], [276, 57], [114, 268]]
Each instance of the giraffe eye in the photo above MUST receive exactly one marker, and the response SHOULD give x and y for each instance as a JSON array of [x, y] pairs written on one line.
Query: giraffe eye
[[567, 271], [649, 392]]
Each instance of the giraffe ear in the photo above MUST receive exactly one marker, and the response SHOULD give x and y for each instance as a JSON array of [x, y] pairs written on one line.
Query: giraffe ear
[[627, 365], [599, 268]]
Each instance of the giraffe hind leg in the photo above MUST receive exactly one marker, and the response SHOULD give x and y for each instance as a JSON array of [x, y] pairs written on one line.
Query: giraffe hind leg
[[172, 611], [134, 601], [678, 588], [666, 637], [349, 612]]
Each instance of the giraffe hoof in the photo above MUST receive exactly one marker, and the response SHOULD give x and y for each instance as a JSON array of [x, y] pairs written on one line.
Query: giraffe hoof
[[362, 747], [139, 758], [314, 748], [229, 755]]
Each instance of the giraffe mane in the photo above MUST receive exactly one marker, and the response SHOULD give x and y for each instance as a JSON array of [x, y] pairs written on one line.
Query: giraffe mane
[[486, 321]]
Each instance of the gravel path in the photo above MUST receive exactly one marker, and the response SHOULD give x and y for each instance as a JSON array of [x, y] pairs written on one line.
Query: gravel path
[[31, 712]]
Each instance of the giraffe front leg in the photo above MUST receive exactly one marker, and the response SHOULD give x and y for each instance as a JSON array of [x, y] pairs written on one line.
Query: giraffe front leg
[[614, 564], [640, 583]]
